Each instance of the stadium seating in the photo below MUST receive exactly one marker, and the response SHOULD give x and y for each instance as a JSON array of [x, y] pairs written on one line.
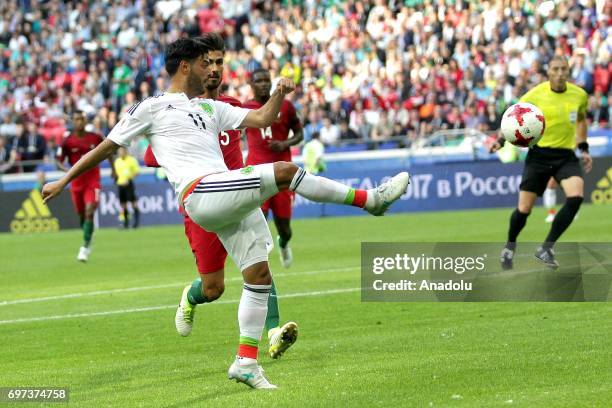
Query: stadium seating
[[405, 68]]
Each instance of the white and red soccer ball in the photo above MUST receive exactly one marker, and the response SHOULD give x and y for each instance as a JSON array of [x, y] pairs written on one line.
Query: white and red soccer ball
[[523, 124]]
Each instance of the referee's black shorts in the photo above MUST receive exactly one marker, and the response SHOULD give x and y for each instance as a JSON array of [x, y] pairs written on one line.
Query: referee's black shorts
[[127, 193], [542, 163]]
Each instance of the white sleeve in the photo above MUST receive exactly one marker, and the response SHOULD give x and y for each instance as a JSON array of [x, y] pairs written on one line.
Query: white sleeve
[[135, 123], [229, 117]]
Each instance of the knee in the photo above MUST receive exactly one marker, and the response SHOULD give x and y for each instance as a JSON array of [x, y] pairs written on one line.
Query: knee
[[214, 292], [284, 172], [258, 274], [525, 208]]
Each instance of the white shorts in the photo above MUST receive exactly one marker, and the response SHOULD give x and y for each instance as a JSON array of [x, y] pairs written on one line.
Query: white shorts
[[228, 204], [248, 241]]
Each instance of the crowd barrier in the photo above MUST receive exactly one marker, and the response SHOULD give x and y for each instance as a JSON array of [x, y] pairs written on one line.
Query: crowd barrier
[[435, 187]]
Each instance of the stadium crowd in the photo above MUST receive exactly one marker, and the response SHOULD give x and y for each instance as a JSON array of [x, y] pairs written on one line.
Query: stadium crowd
[[366, 70]]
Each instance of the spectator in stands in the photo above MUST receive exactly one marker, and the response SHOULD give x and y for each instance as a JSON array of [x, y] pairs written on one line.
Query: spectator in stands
[[29, 147], [329, 133], [8, 156], [351, 60], [346, 133]]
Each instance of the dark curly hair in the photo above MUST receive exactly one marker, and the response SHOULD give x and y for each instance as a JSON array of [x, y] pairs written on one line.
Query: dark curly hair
[[183, 49]]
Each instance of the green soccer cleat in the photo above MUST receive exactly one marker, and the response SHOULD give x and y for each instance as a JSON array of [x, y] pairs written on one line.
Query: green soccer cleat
[[183, 319], [251, 374], [281, 338]]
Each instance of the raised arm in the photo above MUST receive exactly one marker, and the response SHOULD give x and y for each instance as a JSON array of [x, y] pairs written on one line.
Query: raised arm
[[267, 114], [103, 151]]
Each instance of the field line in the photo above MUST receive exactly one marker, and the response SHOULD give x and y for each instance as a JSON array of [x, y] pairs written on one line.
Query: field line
[[163, 286], [163, 307]]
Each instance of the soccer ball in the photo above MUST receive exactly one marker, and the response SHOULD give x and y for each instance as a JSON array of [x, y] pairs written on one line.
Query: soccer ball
[[523, 124]]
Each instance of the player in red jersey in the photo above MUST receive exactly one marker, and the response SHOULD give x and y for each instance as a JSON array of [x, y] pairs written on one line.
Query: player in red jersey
[[85, 188], [270, 145], [209, 253]]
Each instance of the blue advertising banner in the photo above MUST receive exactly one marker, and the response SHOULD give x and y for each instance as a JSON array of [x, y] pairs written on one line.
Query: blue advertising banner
[[433, 187]]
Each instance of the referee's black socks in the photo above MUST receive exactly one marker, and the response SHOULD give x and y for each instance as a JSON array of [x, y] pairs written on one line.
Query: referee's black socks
[[563, 219], [517, 222]]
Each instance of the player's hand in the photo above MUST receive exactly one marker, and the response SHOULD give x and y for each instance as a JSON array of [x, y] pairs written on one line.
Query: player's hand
[[50, 190], [495, 147], [587, 162], [285, 86], [277, 146]]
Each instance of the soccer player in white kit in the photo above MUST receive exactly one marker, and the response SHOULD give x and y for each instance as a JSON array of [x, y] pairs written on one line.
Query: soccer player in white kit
[[182, 130]]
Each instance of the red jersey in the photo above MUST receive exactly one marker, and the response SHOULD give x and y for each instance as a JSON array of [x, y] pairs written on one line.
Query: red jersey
[[73, 148], [259, 139], [229, 140]]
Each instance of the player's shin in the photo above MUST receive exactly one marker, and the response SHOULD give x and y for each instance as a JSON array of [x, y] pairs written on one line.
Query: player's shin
[[273, 315], [252, 312], [321, 189], [563, 219], [196, 296], [88, 229], [517, 223]]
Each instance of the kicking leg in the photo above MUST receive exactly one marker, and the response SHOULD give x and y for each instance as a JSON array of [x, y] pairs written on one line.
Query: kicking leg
[[320, 189]]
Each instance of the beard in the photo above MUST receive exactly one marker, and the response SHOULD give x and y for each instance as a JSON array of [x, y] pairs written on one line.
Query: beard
[[195, 85], [213, 83]]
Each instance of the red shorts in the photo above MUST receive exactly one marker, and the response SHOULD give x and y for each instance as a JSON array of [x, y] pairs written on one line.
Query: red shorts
[[281, 204], [82, 197], [209, 252]]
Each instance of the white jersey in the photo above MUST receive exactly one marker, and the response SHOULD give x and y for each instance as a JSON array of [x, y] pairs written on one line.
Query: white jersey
[[183, 133]]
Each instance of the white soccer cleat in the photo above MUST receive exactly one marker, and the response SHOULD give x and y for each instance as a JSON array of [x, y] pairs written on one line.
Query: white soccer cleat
[[281, 338], [550, 217], [286, 255], [183, 320], [251, 374], [388, 192], [83, 255]]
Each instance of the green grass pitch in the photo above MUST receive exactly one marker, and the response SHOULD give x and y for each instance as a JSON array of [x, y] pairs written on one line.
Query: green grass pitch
[[118, 347]]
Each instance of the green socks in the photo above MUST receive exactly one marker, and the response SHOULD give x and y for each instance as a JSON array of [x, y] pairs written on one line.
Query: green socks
[[273, 316], [88, 228], [195, 295]]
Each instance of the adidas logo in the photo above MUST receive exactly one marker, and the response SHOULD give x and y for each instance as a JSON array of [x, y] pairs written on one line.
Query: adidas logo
[[170, 107], [603, 191], [34, 216]]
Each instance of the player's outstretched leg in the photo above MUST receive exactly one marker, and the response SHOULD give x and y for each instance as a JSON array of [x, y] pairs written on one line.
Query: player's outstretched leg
[[376, 201]]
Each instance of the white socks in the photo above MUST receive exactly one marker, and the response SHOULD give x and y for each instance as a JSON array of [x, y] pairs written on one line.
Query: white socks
[[319, 189], [252, 310], [550, 198]]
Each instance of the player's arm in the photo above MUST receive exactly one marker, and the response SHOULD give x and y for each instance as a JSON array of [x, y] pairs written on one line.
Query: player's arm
[[282, 145], [60, 158], [581, 142], [87, 162], [267, 114], [136, 123]]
